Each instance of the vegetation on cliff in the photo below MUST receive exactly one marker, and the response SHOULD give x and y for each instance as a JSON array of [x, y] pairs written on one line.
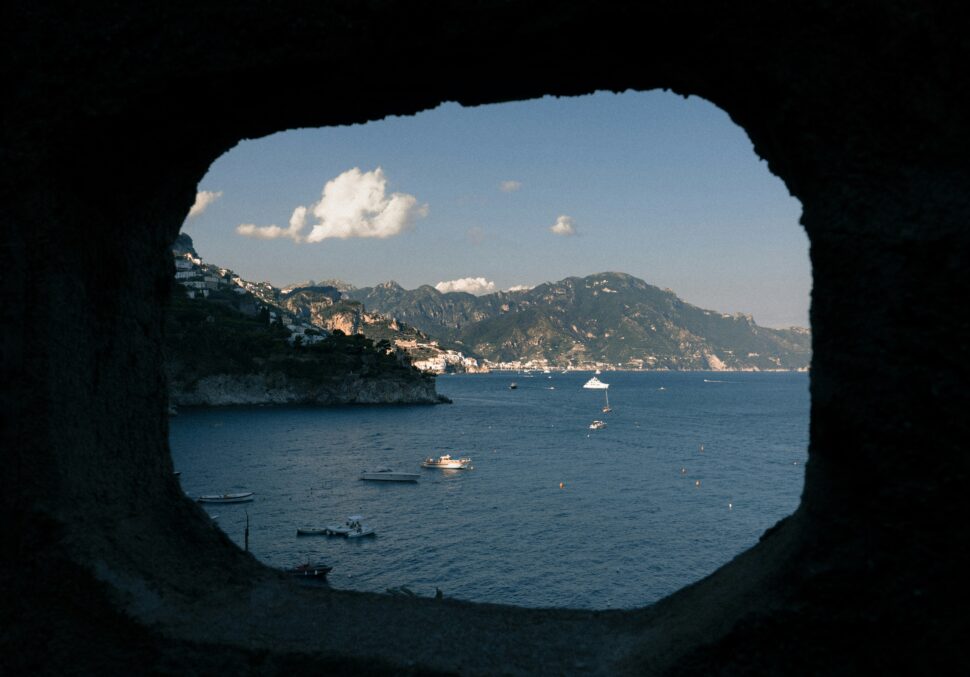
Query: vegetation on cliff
[[214, 337]]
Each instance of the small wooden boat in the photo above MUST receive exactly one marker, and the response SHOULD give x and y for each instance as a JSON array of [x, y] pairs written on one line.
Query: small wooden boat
[[242, 497], [312, 531], [388, 475], [311, 571]]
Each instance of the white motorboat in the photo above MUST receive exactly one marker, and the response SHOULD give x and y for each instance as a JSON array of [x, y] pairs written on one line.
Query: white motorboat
[[242, 497], [597, 425], [388, 475], [352, 528], [360, 532], [595, 384], [446, 462]]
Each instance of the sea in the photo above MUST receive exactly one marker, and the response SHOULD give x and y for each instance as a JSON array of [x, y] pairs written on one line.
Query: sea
[[691, 468]]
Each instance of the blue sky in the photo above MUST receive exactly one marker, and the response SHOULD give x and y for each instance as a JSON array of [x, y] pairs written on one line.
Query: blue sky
[[665, 188]]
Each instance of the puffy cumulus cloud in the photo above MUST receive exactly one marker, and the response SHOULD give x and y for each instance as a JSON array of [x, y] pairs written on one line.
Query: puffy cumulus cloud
[[509, 186], [564, 226], [472, 285], [354, 204], [203, 199]]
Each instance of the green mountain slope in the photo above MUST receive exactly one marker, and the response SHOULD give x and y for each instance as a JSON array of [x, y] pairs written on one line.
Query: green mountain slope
[[607, 319], [210, 337]]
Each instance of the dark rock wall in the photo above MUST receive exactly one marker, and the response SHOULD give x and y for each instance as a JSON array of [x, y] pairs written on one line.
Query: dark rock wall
[[112, 114]]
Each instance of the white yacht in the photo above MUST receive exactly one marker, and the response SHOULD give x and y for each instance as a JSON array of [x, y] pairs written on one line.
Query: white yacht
[[446, 462], [595, 384], [597, 425], [388, 475]]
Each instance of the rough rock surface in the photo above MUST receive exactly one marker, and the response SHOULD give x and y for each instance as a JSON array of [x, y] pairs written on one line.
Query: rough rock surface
[[112, 114], [273, 388]]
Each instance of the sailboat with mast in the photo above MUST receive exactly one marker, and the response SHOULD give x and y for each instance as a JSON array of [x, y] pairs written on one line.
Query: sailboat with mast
[[595, 384]]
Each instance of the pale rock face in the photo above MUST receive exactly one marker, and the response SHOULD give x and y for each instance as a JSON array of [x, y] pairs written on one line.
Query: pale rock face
[[347, 322], [714, 362]]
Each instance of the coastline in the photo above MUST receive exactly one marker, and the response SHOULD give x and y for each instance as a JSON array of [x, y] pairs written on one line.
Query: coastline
[[275, 389]]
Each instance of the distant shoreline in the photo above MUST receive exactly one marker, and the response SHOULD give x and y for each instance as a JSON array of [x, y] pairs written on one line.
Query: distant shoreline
[[628, 371]]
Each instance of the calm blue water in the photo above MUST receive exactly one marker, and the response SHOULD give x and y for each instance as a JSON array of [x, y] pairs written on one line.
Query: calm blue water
[[626, 528]]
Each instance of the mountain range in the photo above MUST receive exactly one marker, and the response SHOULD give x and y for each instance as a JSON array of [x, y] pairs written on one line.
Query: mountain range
[[608, 320], [603, 320]]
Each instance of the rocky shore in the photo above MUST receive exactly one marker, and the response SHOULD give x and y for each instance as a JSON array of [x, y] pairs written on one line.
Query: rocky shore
[[278, 389]]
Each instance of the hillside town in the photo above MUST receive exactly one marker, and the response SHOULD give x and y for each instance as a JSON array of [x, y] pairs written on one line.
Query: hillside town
[[201, 280]]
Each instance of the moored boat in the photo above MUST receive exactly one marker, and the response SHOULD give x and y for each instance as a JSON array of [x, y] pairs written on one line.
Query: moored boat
[[242, 497], [311, 531], [597, 425], [311, 571], [388, 475], [352, 528], [360, 532], [446, 462], [595, 384]]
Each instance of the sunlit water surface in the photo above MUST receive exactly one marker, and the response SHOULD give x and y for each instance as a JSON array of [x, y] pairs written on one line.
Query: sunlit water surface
[[626, 527]]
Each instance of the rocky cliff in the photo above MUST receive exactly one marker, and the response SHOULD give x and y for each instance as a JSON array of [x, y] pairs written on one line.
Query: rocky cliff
[[278, 388], [216, 356]]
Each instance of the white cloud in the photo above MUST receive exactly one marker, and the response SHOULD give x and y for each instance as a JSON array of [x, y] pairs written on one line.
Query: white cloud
[[472, 285], [354, 204], [520, 287], [297, 223], [261, 232], [564, 226], [203, 199], [509, 186]]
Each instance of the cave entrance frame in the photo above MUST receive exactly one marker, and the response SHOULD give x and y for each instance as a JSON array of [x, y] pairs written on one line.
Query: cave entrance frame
[[90, 482], [262, 158]]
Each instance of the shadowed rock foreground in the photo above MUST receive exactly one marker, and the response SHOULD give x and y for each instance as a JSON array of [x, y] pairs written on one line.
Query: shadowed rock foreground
[[113, 115]]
